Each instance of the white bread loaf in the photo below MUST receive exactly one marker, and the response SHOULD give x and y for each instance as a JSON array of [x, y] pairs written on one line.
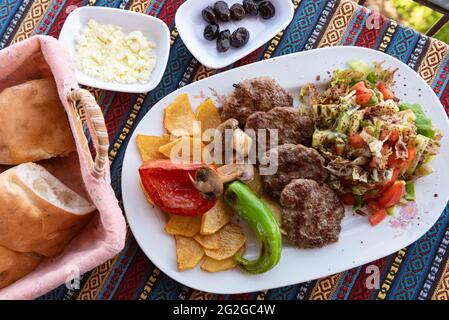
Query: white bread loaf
[[15, 265], [38, 212], [33, 123]]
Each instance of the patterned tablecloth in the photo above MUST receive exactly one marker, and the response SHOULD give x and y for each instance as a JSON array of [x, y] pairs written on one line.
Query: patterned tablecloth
[[420, 271]]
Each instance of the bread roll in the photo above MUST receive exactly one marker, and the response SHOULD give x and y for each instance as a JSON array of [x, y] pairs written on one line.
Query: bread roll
[[38, 212], [15, 265], [33, 123]]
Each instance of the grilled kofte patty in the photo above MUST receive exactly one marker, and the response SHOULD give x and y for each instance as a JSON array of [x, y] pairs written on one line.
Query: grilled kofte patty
[[311, 213], [294, 162], [291, 126], [251, 95]]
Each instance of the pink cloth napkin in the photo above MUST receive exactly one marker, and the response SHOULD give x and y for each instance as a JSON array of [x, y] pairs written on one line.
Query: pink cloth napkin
[[104, 236]]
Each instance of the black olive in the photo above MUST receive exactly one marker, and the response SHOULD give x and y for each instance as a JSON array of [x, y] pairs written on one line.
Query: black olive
[[224, 41], [266, 10], [209, 15], [251, 7], [222, 11], [211, 32], [239, 37], [237, 12]]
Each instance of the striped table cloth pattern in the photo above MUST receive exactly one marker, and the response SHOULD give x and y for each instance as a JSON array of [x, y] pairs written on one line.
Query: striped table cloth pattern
[[420, 271]]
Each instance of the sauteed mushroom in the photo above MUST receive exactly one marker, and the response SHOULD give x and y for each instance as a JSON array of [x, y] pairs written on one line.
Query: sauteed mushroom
[[241, 142], [237, 139], [210, 182]]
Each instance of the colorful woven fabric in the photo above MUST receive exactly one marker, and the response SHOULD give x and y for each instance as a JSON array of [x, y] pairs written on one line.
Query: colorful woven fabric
[[420, 271]]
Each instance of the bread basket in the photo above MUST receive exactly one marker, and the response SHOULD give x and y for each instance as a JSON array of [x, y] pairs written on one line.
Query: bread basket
[[104, 236]]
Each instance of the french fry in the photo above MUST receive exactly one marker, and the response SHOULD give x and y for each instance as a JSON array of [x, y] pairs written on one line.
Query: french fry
[[183, 225], [188, 253], [229, 234], [185, 148], [212, 265], [207, 114], [214, 219], [149, 146], [225, 244], [179, 119]]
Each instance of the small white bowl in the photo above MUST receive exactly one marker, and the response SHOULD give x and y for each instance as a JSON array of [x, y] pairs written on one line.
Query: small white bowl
[[190, 25], [153, 29]]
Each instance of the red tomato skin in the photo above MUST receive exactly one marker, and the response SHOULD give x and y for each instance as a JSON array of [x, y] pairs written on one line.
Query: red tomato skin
[[359, 87], [393, 179], [169, 186], [392, 195], [377, 217], [394, 136], [386, 92], [356, 141], [373, 205], [411, 156], [363, 98]]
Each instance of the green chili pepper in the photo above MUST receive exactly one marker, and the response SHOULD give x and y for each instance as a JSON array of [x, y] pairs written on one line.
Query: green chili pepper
[[250, 208]]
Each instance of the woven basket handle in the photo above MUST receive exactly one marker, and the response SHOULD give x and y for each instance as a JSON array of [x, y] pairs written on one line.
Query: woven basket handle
[[86, 109]]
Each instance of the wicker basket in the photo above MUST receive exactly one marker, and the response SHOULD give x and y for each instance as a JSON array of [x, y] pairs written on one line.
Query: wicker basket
[[104, 236]]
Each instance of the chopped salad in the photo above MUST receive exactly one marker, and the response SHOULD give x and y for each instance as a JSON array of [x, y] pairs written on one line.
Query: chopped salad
[[376, 146]]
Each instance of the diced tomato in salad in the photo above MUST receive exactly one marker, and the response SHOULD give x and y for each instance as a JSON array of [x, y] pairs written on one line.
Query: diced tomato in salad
[[377, 217], [392, 195], [386, 92], [376, 145], [363, 94], [356, 141]]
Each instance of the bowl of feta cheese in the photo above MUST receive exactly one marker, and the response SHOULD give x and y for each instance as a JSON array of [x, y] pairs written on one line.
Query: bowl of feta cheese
[[115, 49]]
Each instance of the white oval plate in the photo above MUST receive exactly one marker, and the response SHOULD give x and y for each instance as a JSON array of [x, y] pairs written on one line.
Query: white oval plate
[[359, 242], [153, 29], [190, 25]]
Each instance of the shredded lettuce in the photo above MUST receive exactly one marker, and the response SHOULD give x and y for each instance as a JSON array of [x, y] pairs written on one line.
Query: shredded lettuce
[[371, 77], [375, 145], [343, 123], [410, 191], [359, 203], [360, 66], [384, 75], [423, 123], [356, 120]]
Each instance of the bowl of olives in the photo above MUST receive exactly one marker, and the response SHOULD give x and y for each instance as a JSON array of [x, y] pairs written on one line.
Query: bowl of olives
[[219, 33]]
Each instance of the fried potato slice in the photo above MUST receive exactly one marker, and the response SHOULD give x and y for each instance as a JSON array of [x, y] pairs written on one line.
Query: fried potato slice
[[149, 146], [212, 265], [183, 225], [186, 148], [214, 219], [207, 114], [179, 119], [188, 253], [255, 184], [230, 235], [225, 242], [276, 210]]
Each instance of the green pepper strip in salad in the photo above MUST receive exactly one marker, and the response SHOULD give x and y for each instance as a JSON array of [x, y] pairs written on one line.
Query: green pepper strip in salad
[[409, 191], [250, 208]]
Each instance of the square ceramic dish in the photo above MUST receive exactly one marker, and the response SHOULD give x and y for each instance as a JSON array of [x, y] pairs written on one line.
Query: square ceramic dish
[[191, 25], [153, 29]]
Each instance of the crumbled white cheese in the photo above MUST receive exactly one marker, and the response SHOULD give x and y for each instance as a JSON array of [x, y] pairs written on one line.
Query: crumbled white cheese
[[106, 52]]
